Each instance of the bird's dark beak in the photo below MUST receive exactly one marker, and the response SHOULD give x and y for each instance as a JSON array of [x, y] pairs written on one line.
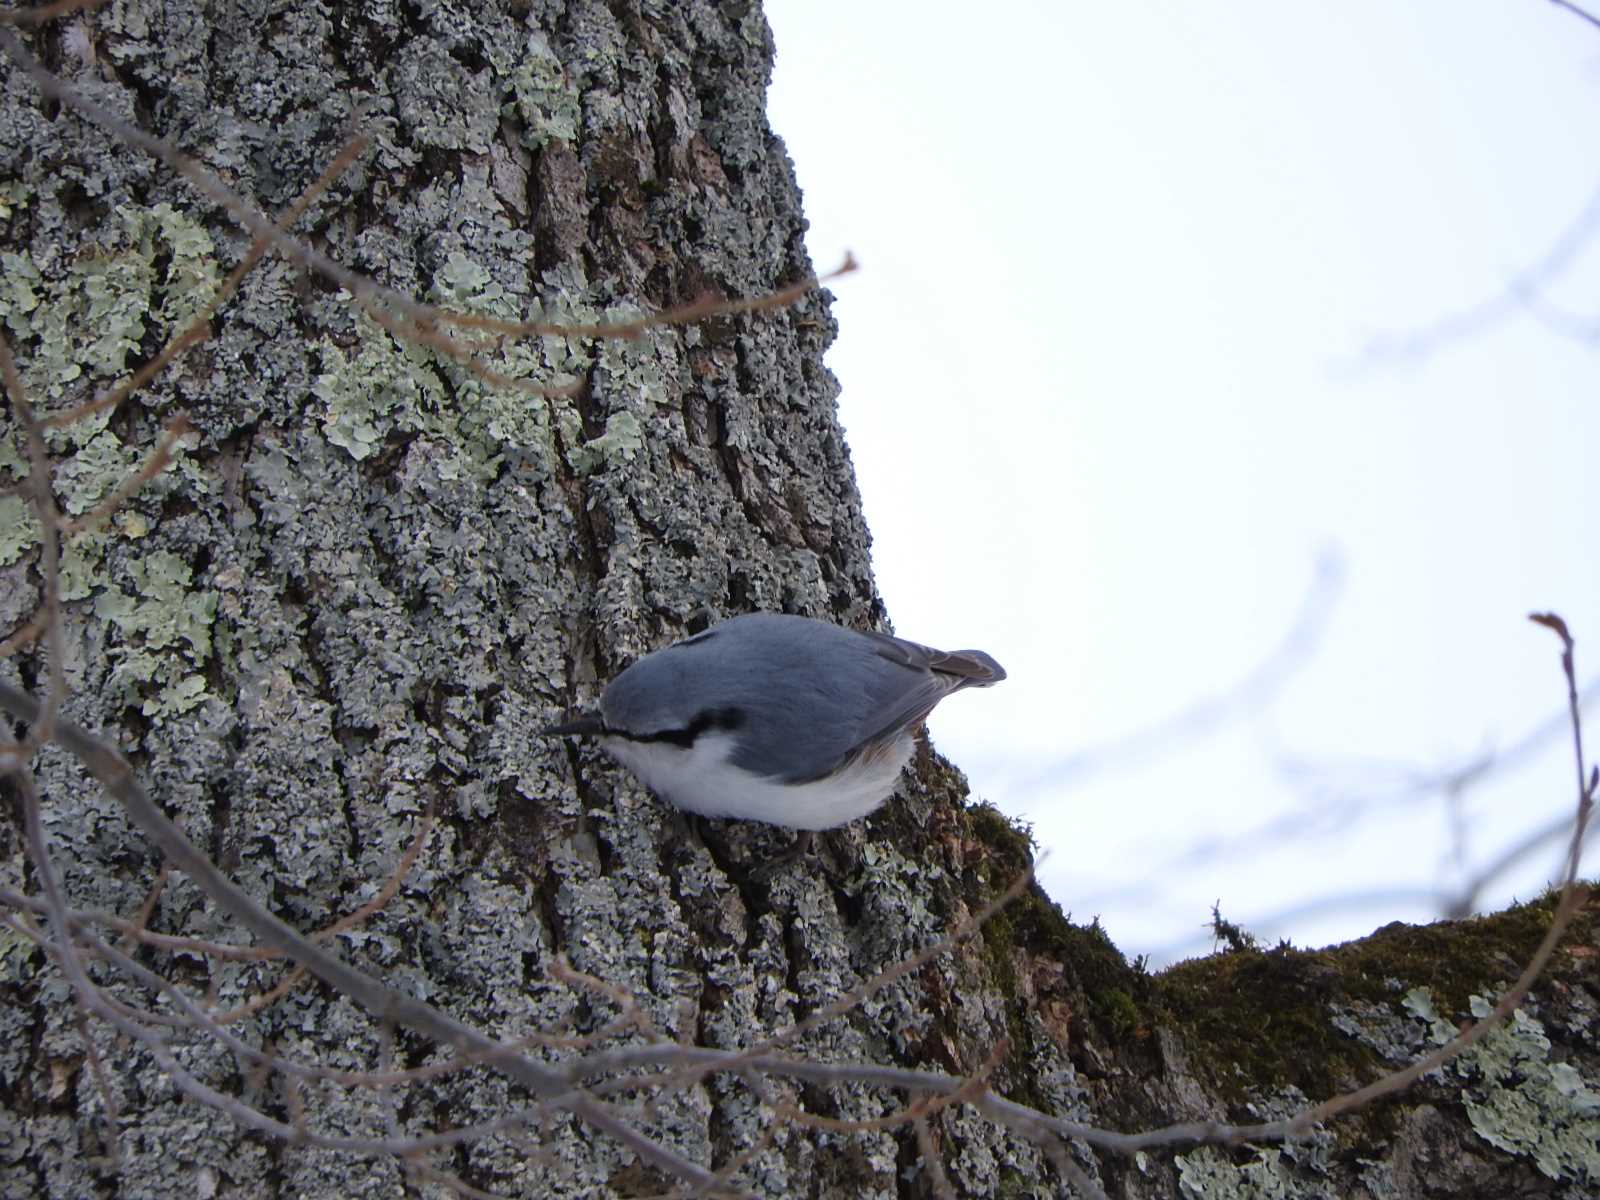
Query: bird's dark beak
[[582, 725]]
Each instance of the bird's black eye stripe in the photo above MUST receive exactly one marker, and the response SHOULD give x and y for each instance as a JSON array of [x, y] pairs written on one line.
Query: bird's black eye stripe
[[707, 721], [729, 718]]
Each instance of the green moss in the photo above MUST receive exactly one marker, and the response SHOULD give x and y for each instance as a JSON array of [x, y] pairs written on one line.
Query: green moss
[[1255, 1019], [1010, 843], [1034, 922], [1117, 1011], [1075, 964], [1257, 1023], [1455, 958]]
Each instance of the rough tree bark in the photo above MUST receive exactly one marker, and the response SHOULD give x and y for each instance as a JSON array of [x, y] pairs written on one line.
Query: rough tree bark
[[374, 577]]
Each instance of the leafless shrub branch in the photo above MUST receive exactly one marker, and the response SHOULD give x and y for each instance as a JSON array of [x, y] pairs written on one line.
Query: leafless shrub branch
[[1582, 14], [582, 1084], [1249, 695]]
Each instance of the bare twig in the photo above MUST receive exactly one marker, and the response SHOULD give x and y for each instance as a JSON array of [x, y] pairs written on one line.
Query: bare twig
[[973, 1088], [1252, 693], [938, 1182], [44, 506], [45, 13], [1520, 293], [198, 329], [372, 296], [1583, 14], [24, 636], [382, 1002], [177, 427]]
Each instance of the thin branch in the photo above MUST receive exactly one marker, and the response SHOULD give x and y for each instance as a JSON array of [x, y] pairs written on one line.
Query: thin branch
[[193, 335], [973, 1087], [198, 329], [424, 317], [176, 428], [25, 636], [44, 14], [1262, 685], [932, 1167], [1577, 12], [382, 1002], [1524, 288], [44, 506]]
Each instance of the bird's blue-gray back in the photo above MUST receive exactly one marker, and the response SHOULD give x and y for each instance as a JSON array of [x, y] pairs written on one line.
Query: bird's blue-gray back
[[820, 697]]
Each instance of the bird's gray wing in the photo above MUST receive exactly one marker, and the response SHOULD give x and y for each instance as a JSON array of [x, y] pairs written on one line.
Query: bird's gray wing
[[929, 676], [970, 668]]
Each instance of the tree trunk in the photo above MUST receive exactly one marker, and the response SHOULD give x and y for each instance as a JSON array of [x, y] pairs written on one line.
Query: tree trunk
[[373, 575]]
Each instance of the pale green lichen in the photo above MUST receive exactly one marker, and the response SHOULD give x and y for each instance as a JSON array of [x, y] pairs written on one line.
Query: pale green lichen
[[16, 953], [1292, 1170], [361, 391], [90, 475], [1516, 1098], [389, 384], [192, 276], [621, 440], [115, 293], [166, 635], [632, 375], [81, 481], [1419, 1003], [19, 529], [94, 315], [539, 92], [11, 460], [156, 271], [20, 285], [1206, 1174], [14, 194], [83, 564]]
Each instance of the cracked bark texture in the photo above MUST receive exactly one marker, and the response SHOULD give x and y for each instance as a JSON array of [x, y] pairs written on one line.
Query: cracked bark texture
[[375, 578]]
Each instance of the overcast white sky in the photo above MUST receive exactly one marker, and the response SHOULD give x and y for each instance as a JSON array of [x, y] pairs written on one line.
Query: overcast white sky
[[1162, 306]]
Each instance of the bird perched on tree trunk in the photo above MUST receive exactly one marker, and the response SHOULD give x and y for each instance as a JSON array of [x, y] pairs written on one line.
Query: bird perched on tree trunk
[[777, 718]]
